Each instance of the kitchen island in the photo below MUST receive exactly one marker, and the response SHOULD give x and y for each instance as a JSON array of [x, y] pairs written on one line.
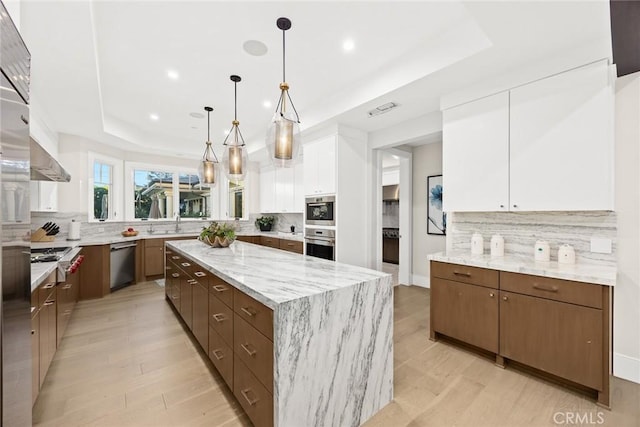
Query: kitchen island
[[329, 330]]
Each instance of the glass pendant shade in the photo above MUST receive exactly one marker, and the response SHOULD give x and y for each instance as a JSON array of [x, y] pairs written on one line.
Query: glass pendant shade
[[207, 169], [234, 157], [283, 140]]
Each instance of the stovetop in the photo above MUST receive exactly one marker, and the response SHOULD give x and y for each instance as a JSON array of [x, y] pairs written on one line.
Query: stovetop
[[391, 233], [48, 254]]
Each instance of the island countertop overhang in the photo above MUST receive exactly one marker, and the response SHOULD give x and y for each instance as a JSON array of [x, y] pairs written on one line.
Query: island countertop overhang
[[272, 276]]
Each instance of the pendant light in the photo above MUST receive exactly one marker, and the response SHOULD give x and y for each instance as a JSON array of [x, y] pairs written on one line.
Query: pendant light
[[283, 136], [207, 170], [234, 158]]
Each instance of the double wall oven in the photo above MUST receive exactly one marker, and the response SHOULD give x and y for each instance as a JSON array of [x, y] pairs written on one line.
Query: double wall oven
[[320, 210], [320, 242]]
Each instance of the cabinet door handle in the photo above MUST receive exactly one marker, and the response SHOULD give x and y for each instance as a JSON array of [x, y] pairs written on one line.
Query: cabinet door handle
[[175, 275], [245, 394], [544, 288], [33, 332], [249, 351], [459, 273], [49, 286], [491, 294], [185, 264], [515, 206], [65, 287], [219, 317], [175, 257], [219, 288], [504, 298], [248, 311], [502, 206], [218, 354], [199, 274], [192, 282], [49, 302]]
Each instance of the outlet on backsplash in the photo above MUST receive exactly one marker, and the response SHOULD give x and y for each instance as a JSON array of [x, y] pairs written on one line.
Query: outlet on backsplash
[[600, 245], [100, 229]]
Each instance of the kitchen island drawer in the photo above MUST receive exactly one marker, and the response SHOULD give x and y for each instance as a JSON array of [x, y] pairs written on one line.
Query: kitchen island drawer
[[465, 274], [585, 294], [257, 314], [255, 350], [221, 356], [221, 318], [221, 290], [291, 246], [254, 398]]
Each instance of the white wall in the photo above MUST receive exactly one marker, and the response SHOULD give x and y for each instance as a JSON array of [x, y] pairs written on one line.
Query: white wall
[[427, 160], [626, 313]]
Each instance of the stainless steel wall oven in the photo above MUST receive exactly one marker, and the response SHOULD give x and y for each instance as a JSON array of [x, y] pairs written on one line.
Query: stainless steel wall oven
[[320, 210]]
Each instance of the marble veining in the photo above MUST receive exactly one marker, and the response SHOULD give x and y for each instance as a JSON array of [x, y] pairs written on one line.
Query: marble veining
[[522, 229], [273, 276], [40, 271], [588, 273], [333, 330]]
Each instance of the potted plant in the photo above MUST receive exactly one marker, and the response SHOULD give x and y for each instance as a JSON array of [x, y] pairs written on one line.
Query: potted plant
[[265, 223], [218, 235]]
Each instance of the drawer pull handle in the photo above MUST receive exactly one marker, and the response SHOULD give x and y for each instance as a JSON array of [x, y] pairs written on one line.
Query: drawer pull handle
[[175, 257], [245, 394], [49, 302], [66, 287], [175, 275], [219, 317], [49, 286], [192, 281], [544, 288], [459, 273], [491, 294], [219, 288], [199, 274], [185, 264], [504, 298], [248, 311], [218, 354], [249, 351]]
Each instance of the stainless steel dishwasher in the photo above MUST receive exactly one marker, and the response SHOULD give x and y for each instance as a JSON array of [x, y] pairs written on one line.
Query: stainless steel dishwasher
[[123, 264]]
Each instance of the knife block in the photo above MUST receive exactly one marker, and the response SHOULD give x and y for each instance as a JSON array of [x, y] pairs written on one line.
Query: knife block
[[41, 236]]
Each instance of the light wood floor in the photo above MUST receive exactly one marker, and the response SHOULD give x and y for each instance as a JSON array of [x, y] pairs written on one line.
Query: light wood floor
[[126, 361]]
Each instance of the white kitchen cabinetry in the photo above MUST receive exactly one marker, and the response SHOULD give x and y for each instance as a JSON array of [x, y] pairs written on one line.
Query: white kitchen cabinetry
[[561, 143], [43, 196], [280, 189], [475, 172], [320, 167], [544, 146]]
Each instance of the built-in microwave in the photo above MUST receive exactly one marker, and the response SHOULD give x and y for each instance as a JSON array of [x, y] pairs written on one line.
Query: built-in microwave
[[320, 210]]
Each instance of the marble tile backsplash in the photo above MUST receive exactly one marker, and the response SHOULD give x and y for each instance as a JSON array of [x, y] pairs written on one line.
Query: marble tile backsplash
[[522, 229], [95, 229]]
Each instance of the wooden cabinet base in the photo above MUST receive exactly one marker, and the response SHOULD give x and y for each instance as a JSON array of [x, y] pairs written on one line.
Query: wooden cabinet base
[[254, 398]]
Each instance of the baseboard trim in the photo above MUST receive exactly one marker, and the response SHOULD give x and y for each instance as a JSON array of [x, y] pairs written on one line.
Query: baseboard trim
[[422, 281], [627, 368]]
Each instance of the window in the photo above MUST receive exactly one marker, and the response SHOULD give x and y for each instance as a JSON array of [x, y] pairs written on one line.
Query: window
[[163, 192], [105, 188], [236, 199]]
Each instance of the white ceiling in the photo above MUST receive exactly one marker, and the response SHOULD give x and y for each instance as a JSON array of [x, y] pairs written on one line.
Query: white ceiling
[[100, 67]]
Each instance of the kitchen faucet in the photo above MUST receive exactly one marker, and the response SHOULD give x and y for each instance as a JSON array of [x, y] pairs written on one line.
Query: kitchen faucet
[[178, 223], [150, 230]]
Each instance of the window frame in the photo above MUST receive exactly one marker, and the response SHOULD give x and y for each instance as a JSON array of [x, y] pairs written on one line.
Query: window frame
[[116, 213]]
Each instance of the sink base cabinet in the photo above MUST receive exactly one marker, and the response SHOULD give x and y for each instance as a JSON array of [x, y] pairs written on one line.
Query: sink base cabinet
[[557, 327]]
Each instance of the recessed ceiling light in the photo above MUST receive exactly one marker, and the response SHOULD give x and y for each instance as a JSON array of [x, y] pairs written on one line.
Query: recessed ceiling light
[[267, 104], [255, 47], [348, 45], [197, 115], [154, 117], [173, 74]]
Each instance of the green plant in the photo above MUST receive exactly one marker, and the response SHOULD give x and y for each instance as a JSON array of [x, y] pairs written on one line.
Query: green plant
[[218, 230], [265, 221]]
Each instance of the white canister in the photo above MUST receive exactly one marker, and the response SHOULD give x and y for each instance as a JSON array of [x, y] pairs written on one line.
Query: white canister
[[566, 255], [542, 252], [477, 244], [74, 230], [497, 246]]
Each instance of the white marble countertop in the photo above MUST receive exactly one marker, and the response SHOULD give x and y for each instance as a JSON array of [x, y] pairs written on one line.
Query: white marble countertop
[[273, 276], [589, 273], [40, 271]]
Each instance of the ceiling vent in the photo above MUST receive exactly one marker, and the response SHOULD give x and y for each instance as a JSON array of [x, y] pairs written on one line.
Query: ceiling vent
[[381, 109]]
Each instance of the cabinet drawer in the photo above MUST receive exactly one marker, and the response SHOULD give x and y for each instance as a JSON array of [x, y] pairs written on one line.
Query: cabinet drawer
[[175, 258], [462, 273], [45, 292], [254, 398], [586, 294], [222, 356], [221, 318], [291, 246], [153, 243], [272, 242], [255, 350], [257, 314], [35, 301], [221, 290]]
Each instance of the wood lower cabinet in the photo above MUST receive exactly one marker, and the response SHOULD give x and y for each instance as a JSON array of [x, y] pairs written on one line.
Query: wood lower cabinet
[[254, 398], [48, 326], [558, 327], [221, 355], [272, 242], [466, 312], [200, 305], [291, 246], [35, 356], [153, 257], [95, 273], [186, 301]]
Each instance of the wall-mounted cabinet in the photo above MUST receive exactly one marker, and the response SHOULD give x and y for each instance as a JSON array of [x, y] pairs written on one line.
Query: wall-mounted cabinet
[[281, 189], [44, 196], [320, 167], [543, 146]]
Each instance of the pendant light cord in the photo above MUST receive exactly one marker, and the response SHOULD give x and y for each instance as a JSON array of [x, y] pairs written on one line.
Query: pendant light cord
[[284, 49], [208, 125], [235, 101]]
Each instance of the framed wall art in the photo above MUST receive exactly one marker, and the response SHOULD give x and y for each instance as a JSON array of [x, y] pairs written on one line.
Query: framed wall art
[[436, 219]]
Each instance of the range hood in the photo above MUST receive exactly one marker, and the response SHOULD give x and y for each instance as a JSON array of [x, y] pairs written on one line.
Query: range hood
[[390, 192], [44, 167]]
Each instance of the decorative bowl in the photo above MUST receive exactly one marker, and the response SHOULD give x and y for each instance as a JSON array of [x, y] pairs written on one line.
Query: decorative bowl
[[129, 233], [216, 242]]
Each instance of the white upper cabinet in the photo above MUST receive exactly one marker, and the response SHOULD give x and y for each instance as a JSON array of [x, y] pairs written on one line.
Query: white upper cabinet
[[267, 189], [561, 146], [44, 196], [280, 189], [320, 167], [475, 152], [544, 146]]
